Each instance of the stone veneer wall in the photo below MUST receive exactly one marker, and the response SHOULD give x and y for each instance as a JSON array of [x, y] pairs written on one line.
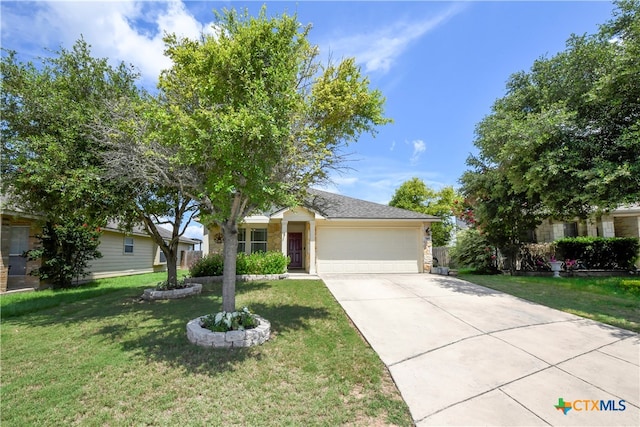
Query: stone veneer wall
[[427, 244], [215, 247], [274, 237]]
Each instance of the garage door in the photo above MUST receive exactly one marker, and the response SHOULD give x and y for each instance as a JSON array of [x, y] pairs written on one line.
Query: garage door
[[368, 250]]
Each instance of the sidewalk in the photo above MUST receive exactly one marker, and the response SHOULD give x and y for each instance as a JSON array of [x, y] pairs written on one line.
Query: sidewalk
[[464, 355]]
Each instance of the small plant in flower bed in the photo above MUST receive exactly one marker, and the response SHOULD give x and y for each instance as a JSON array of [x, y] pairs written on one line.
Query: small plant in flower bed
[[229, 321], [166, 286]]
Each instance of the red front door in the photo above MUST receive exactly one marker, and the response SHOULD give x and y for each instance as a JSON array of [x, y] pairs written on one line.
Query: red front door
[[294, 251]]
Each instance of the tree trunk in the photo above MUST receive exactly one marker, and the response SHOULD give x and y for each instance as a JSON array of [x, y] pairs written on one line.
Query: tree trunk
[[172, 265], [230, 250]]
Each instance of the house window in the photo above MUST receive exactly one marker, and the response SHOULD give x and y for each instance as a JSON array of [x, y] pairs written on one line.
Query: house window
[[258, 240], [570, 229], [163, 257], [242, 239], [18, 245], [128, 245]]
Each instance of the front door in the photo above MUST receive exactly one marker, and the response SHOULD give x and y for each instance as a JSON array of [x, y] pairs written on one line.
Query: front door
[[294, 251]]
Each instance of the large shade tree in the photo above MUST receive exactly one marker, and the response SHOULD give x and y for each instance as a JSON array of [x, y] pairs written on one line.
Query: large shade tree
[[258, 119], [567, 133], [51, 161], [565, 139]]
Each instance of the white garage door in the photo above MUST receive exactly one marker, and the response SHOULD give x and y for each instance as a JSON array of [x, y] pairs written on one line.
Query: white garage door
[[368, 250]]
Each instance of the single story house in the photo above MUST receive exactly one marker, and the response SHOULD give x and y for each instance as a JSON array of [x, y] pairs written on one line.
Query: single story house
[[122, 253], [332, 233]]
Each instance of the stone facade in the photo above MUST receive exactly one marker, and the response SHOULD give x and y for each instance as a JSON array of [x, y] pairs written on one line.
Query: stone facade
[[427, 244], [274, 236]]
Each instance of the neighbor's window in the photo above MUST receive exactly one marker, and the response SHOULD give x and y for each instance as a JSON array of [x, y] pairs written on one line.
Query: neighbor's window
[[258, 240], [570, 229], [242, 239], [128, 245], [163, 257]]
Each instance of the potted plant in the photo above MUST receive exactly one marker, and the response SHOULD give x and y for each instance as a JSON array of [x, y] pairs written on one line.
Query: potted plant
[[556, 266]]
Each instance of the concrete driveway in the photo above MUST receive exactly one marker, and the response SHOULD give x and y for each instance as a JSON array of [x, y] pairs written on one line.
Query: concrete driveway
[[462, 354]]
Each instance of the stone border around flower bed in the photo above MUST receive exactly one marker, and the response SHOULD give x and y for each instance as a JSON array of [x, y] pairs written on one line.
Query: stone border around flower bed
[[247, 338], [154, 294], [240, 278]]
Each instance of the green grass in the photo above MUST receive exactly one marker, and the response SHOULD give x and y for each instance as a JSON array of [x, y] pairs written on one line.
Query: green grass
[[19, 303], [112, 359], [611, 300]]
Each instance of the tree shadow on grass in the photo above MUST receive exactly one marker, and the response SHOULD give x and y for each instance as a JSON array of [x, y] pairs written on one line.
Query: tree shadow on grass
[[162, 337], [156, 331]]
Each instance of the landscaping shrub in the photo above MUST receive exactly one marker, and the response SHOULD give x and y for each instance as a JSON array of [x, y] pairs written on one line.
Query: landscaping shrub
[[65, 250], [210, 265], [256, 263], [166, 286], [606, 253], [473, 251], [235, 321]]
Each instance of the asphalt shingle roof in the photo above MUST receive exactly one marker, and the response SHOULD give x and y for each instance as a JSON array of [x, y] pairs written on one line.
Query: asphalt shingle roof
[[337, 206]]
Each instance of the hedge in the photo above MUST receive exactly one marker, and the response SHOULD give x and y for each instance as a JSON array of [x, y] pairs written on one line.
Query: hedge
[[256, 263], [607, 253]]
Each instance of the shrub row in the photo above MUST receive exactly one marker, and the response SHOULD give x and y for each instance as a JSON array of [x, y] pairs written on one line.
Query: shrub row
[[256, 263], [600, 252]]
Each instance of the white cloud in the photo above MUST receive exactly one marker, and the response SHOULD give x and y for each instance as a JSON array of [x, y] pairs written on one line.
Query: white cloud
[[129, 31], [194, 231], [379, 50], [419, 147], [393, 145], [345, 180]]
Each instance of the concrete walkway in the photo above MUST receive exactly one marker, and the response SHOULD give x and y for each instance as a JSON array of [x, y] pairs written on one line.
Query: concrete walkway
[[465, 355]]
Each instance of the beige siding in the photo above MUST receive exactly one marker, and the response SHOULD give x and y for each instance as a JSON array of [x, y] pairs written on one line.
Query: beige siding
[[115, 262]]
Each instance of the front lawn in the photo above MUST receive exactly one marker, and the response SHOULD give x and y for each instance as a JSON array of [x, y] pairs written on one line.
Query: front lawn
[[112, 359], [611, 300]]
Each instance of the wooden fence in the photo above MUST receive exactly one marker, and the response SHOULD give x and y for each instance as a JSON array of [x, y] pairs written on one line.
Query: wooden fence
[[441, 253]]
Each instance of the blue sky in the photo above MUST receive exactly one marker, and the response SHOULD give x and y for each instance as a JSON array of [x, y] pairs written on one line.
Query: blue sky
[[440, 65]]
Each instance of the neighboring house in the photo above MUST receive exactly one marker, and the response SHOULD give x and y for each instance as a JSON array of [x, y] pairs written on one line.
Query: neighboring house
[[621, 222], [332, 233], [133, 253], [122, 253]]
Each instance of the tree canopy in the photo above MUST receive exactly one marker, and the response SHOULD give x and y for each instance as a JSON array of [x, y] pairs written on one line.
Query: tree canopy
[[51, 162], [414, 195], [565, 139], [258, 119]]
